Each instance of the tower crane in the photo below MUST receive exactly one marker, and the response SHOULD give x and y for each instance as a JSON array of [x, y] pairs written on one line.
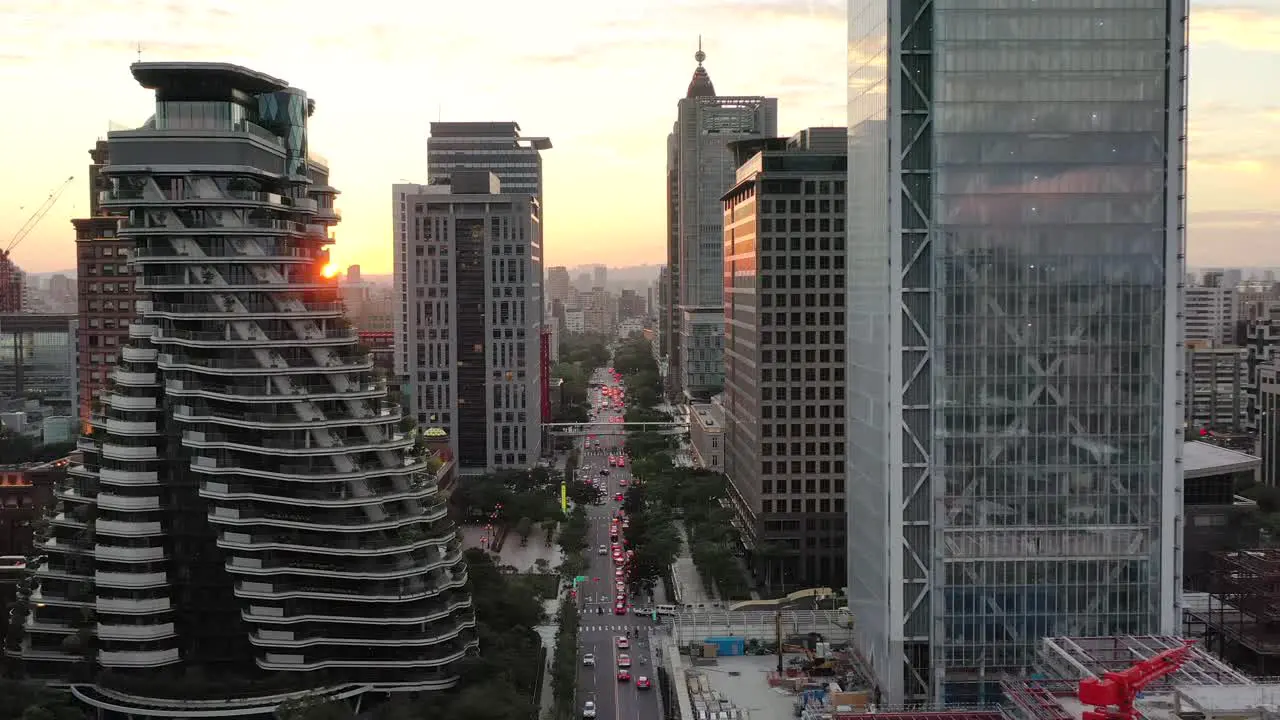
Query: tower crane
[[36, 217], [1113, 694], [10, 280]]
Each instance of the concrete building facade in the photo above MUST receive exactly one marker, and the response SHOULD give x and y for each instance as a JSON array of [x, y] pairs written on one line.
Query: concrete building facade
[[473, 263], [784, 396]]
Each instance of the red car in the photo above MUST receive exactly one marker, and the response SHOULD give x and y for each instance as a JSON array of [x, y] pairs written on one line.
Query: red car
[[619, 497], [642, 683], [624, 676]]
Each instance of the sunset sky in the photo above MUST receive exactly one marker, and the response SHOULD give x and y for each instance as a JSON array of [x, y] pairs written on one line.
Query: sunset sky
[[600, 78]]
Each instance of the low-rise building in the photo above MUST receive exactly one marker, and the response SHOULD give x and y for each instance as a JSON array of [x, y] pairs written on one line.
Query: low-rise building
[[706, 432], [1216, 519]]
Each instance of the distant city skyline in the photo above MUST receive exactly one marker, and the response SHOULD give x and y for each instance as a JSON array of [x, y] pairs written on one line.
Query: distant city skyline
[[636, 57]]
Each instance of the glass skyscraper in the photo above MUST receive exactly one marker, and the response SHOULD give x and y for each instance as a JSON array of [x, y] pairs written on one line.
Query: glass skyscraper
[[1016, 215]]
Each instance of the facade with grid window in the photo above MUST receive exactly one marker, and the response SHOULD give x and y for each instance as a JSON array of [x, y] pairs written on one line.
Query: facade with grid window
[[1017, 254], [472, 283], [784, 397]]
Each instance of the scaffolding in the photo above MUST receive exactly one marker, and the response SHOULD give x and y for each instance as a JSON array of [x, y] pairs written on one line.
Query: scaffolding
[[1241, 617]]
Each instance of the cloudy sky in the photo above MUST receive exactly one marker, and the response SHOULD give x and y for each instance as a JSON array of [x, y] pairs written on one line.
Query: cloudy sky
[[600, 78]]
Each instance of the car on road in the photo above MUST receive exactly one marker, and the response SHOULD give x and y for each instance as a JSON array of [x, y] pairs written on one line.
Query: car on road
[[624, 661], [603, 550], [620, 587], [618, 497], [624, 676], [620, 609], [619, 560], [604, 471], [622, 482], [589, 660], [640, 611], [588, 709], [619, 573], [642, 683], [623, 643]]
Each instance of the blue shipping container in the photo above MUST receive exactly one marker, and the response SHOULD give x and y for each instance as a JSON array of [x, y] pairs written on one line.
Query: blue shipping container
[[728, 646]]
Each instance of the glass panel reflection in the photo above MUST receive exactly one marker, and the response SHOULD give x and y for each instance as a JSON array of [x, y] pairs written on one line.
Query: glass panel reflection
[[1049, 246]]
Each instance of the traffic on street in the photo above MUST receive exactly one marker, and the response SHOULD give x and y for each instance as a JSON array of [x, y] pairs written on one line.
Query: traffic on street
[[616, 675]]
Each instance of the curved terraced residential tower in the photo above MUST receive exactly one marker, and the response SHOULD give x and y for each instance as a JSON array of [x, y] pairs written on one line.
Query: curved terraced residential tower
[[247, 496]]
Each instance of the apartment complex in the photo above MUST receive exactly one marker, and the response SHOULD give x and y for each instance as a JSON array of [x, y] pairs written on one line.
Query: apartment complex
[[1216, 378], [784, 349], [700, 167], [105, 296], [473, 263], [1211, 312], [247, 506], [1016, 255]]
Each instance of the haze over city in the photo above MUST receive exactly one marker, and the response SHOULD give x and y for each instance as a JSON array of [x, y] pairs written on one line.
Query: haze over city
[[599, 80]]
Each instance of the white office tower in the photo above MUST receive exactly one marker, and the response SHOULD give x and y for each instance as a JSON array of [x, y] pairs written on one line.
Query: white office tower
[[248, 506], [1016, 213], [471, 258]]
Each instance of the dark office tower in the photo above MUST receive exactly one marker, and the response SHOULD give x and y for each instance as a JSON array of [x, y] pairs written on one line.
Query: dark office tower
[[249, 520], [1016, 214], [784, 384]]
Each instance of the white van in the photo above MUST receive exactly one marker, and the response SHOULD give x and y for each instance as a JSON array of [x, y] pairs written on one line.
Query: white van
[[669, 610]]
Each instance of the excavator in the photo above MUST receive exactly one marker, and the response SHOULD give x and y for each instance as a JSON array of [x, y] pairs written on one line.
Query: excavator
[[1112, 695]]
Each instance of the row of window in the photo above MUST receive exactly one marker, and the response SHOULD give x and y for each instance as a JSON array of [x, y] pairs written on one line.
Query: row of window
[[811, 187], [109, 323], [797, 467], [797, 225], [796, 263], [810, 356], [810, 485], [779, 206], [794, 375], [823, 337], [806, 299], [109, 288], [108, 270], [112, 305], [809, 505]]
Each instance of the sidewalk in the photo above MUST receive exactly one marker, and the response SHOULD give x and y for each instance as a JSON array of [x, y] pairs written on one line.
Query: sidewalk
[[687, 579], [548, 634]]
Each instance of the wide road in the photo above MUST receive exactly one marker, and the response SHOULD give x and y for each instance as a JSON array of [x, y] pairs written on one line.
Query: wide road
[[601, 628]]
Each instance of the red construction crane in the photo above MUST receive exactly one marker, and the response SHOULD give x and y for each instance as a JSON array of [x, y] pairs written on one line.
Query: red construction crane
[[1113, 694], [10, 282]]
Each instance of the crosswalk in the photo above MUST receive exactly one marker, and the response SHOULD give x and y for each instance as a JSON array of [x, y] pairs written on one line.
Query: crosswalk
[[636, 629]]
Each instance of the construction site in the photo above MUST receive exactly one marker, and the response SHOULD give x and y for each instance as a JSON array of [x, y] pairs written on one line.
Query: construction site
[[1238, 618], [762, 665]]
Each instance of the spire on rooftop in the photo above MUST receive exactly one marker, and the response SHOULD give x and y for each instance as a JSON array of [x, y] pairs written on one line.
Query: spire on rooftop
[[700, 85]]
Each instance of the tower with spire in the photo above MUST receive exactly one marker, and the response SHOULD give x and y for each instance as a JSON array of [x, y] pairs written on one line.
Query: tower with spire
[[700, 168], [700, 85]]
